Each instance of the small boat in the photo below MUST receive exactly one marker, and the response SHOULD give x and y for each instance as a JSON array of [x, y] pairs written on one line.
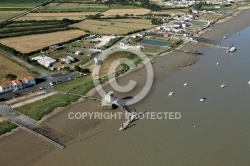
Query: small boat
[[223, 85], [249, 82], [152, 62], [224, 37], [203, 99], [185, 84], [231, 49], [171, 94], [217, 63], [238, 33]]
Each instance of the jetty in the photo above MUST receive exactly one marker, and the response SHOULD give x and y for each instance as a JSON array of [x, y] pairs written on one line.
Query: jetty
[[109, 100]]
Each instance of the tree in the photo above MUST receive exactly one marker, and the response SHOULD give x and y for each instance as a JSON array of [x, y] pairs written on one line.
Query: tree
[[11, 77]]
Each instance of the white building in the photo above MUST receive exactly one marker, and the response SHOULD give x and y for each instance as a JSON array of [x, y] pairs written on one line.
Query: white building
[[44, 60]]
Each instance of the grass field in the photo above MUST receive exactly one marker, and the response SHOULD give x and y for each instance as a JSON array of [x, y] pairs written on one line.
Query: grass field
[[57, 16], [116, 26], [40, 108], [21, 28], [4, 15], [26, 44], [20, 5], [8, 66], [6, 126], [115, 58], [73, 7], [113, 12]]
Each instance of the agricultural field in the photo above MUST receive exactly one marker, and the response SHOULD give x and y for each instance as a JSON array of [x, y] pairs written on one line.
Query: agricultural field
[[4, 15], [21, 28], [72, 7], [57, 16], [116, 26], [29, 43], [7, 66], [113, 12], [20, 5]]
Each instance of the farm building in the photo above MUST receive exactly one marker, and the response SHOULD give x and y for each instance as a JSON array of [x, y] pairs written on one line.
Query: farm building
[[44, 60]]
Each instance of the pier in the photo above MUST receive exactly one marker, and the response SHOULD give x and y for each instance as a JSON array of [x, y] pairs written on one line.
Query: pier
[[109, 100]]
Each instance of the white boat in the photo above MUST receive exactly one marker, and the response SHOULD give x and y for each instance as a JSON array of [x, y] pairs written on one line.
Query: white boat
[[185, 84], [231, 49], [249, 82], [223, 85], [203, 99], [171, 94], [224, 37], [217, 63], [127, 123]]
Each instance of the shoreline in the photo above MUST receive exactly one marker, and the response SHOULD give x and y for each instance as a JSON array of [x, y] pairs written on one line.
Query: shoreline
[[216, 33]]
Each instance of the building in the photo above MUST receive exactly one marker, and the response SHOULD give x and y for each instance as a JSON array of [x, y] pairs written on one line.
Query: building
[[17, 84], [7, 86], [124, 43], [44, 60], [97, 62], [28, 81]]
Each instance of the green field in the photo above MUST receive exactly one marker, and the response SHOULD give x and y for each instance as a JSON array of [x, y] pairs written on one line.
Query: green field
[[72, 7], [20, 28], [40, 108], [20, 3], [6, 126]]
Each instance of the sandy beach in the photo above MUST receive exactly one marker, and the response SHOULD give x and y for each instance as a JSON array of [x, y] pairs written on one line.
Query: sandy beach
[[85, 138]]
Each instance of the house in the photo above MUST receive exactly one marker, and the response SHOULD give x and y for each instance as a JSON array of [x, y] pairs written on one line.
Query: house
[[44, 60], [17, 84], [124, 43], [166, 35], [7, 86], [28, 81]]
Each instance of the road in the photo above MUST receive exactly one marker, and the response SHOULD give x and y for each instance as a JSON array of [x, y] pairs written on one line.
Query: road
[[16, 117]]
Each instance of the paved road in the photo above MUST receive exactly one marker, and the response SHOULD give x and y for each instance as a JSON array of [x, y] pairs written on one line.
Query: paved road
[[16, 117]]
